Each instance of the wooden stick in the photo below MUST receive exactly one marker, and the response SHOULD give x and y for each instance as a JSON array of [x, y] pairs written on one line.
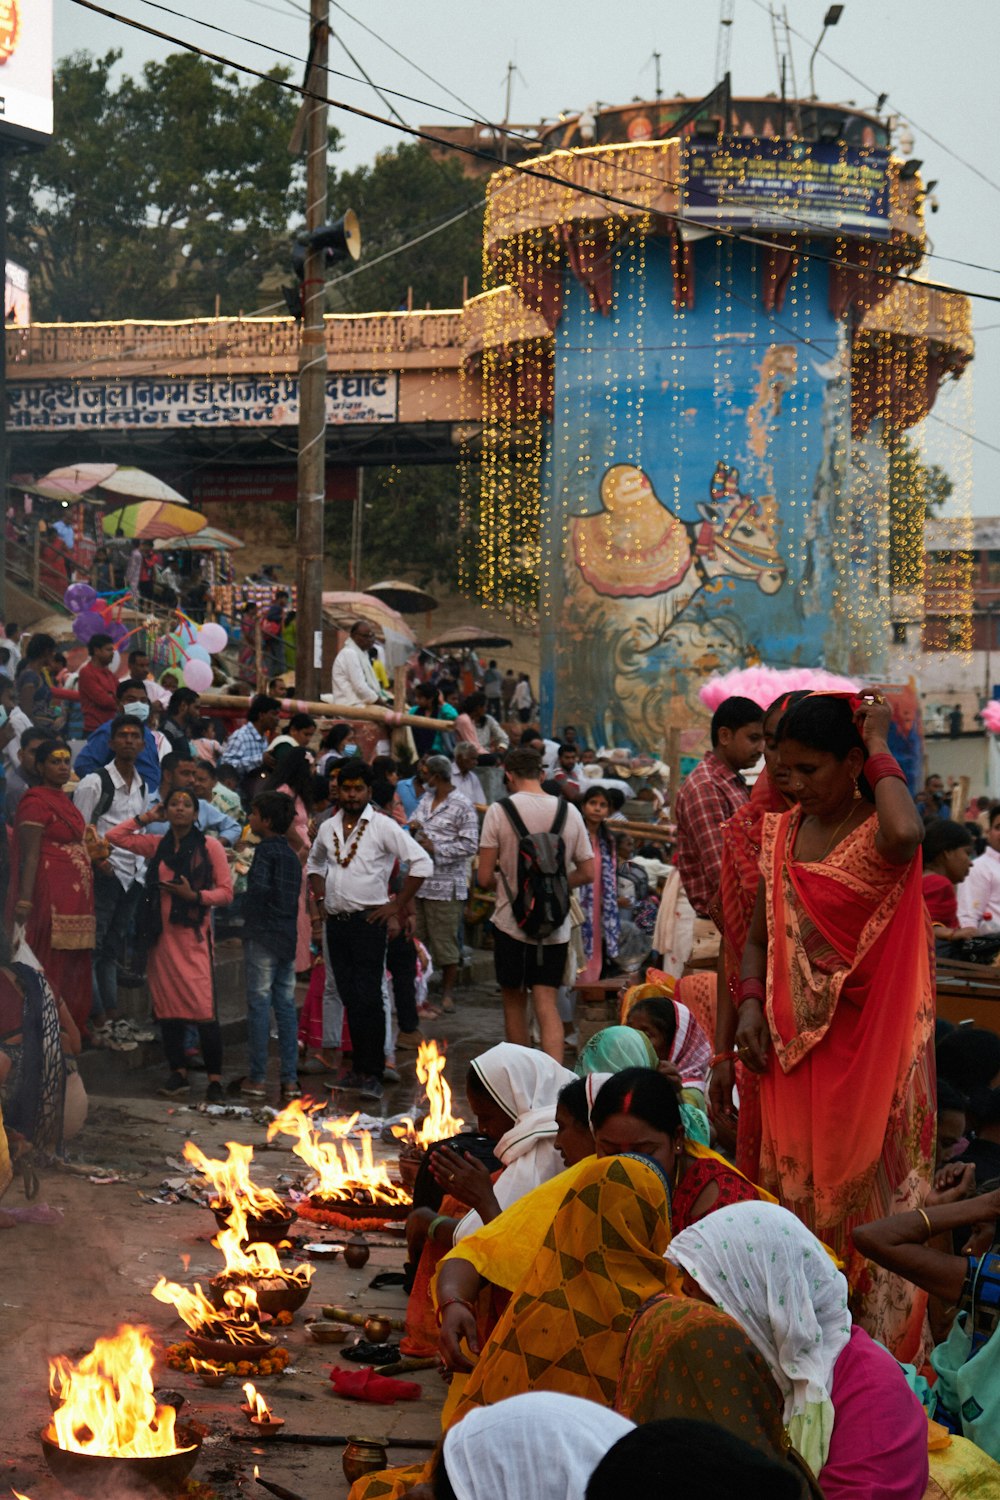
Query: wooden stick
[[408, 1362], [654, 832], [373, 712], [324, 1440], [268, 1484]]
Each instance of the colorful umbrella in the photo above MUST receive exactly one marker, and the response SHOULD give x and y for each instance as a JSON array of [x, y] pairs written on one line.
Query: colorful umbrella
[[152, 518], [468, 636], [344, 608], [76, 480], [209, 539]]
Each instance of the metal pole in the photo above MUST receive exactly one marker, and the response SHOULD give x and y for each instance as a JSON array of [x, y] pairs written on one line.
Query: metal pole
[[312, 380]]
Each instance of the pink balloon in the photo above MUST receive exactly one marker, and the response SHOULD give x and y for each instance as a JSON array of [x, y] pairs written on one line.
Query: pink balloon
[[197, 675], [213, 637]]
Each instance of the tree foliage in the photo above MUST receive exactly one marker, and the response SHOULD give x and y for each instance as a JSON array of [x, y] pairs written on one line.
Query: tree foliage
[[410, 526], [157, 194], [404, 193]]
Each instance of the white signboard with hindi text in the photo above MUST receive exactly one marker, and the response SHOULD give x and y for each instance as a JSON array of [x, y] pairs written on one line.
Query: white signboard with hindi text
[[245, 401]]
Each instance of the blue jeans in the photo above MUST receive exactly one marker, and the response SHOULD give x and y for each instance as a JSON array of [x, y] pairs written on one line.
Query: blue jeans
[[270, 982], [114, 909]]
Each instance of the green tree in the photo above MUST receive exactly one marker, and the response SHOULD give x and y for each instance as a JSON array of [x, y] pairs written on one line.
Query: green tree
[[916, 491], [404, 193], [157, 194], [410, 527]]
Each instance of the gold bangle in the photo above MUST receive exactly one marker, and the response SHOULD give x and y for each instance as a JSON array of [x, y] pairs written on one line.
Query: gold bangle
[[930, 1232]]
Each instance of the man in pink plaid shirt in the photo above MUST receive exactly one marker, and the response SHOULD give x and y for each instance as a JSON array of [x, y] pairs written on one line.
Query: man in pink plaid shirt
[[712, 793]]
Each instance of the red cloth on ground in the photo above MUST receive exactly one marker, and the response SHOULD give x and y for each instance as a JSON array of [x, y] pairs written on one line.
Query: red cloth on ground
[[365, 1385]]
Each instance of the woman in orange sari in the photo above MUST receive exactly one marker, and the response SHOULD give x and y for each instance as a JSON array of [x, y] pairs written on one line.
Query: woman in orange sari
[[738, 882], [836, 1005]]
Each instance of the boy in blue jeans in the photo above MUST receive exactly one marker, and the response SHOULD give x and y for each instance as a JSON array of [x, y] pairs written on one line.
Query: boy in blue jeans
[[274, 883]]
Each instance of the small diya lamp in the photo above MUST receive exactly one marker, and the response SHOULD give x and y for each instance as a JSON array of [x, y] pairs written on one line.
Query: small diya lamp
[[260, 1414], [208, 1373]]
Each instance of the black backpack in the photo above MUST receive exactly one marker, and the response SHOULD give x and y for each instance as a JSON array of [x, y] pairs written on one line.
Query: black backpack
[[108, 790], [540, 902]]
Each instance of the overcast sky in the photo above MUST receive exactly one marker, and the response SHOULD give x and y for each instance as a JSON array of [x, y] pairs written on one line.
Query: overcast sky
[[937, 63]]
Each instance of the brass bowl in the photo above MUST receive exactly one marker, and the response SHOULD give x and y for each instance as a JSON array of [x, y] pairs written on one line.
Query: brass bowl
[[322, 1332], [95, 1474], [364, 1456]]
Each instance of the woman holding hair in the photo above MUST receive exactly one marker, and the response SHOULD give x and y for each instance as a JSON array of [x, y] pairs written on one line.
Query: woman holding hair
[[53, 889], [187, 874], [600, 931], [836, 1005]]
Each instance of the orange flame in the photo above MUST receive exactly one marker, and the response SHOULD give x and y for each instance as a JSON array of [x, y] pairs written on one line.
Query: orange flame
[[339, 1172], [231, 1181], [440, 1124], [257, 1261], [235, 1324], [258, 1406], [107, 1406]]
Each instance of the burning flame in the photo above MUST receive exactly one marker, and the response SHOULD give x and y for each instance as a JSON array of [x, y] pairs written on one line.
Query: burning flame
[[231, 1181], [341, 1172], [107, 1406], [256, 1403], [235, 1324], [257, 1261], [440, 1124]]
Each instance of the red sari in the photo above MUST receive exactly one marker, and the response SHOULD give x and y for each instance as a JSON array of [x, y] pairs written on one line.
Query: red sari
[[60, 929], [738, 883], [847, 1101]]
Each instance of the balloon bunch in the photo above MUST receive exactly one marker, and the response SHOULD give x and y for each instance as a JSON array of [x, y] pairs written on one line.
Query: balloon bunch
[[764, 684], [990, 716], [95, 615], [191, 647]]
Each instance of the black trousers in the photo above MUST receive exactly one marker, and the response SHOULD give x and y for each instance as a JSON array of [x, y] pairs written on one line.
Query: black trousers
[[356, 949], [401, 961], [209, 1036]]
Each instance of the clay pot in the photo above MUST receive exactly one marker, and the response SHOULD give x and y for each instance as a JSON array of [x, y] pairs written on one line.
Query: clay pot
[[356, 1252], [409, 1166], [364, 1456]]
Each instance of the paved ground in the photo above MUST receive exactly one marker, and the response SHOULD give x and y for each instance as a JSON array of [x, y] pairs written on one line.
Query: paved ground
[[65, 1285]]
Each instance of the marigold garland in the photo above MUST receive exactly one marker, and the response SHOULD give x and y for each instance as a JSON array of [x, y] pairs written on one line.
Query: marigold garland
[[179, 1357]]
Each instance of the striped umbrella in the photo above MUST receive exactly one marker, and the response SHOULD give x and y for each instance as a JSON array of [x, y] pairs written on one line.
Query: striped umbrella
[[152, 519]]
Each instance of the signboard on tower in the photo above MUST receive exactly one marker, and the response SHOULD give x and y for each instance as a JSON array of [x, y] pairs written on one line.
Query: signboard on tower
[[26, 70]]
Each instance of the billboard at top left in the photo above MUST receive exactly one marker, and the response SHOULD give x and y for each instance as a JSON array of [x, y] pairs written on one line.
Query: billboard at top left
[[26, 70]]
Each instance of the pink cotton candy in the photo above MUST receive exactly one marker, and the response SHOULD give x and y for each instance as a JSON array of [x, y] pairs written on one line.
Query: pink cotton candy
[[764, 684], [991, 716]]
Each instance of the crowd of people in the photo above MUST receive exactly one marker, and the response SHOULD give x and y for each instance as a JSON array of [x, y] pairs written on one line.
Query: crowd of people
[[754, 1223]]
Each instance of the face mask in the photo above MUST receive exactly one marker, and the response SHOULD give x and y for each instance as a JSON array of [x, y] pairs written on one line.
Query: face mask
[[349, 749], [138, 711]]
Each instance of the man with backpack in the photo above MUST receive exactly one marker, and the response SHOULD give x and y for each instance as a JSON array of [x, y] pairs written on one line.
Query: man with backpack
[[534, 849], [106, 798]]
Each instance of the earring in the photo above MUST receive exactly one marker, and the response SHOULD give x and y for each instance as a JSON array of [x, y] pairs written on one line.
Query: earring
[[857, 790]]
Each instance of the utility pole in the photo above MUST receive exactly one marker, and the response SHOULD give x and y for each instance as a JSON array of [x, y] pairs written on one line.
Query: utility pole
[[511, 70], [312, 377]]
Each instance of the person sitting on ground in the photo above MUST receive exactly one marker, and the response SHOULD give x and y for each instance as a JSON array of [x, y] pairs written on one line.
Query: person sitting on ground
[[682, 1049], [512, 1091], [919, 1245], [97, 684], [947, 850], [848, 1410], [574, 1139], [273, 893], [649, 1458]]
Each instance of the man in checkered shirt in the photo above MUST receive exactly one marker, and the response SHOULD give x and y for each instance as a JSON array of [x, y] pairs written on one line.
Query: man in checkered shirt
[[712, 793]]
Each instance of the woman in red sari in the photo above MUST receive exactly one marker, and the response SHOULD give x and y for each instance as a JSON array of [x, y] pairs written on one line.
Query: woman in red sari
[[54, 896], [738, 882], [836, 1004]]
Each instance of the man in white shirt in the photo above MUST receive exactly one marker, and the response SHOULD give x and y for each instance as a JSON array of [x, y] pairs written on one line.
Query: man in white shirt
[[353, 682], [979, 892], [348, 870], [526, 963], [106, 798], [465, 779]]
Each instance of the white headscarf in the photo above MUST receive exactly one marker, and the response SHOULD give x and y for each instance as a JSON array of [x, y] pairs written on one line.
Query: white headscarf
[[538, 1446], [764, 1268], [526, 1084]]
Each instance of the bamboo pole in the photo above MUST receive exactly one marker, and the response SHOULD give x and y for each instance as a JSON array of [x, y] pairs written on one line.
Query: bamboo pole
[[373, 713]]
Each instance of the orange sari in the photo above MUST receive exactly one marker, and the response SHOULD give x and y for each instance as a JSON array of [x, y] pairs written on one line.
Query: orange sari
[[738, 882], [847, 1102]]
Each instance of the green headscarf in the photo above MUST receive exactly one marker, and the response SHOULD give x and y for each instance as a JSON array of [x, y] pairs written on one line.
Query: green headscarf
[[614, 1049]]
